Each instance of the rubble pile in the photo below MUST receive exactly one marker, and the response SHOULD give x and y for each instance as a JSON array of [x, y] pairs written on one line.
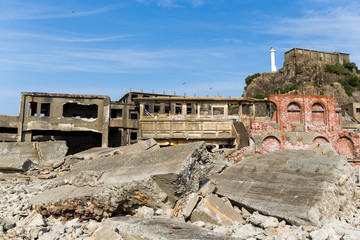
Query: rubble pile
[[174, 193]]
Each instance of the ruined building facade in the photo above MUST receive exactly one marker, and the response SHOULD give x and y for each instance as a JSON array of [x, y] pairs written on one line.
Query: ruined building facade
[[335, 57], [86, 121], [300, 121]]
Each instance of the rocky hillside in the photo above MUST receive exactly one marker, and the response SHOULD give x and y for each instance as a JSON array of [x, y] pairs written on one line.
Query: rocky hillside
[[307, 76]]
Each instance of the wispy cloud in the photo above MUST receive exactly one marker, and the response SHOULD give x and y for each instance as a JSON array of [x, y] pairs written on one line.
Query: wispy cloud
[[21, 10], [174, 3], [69, 37]]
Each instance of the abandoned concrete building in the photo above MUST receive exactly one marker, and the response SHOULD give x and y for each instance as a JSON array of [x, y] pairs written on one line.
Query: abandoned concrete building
[[216, 120], [336, 57], [301, 120], [86, 121]]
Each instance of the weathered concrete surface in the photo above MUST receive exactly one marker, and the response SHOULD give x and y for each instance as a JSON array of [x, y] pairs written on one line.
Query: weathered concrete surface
[[100, 152], [215, 210], [15, 165], [37, 152], [118, 184], [159, 228], [296, 185], [185, 206]]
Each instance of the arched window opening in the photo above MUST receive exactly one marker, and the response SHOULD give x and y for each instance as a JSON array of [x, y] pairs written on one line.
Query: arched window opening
[[294, 112], [318, 114]]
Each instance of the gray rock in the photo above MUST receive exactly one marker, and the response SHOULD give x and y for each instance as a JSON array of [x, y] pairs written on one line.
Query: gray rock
[[215, 210], [323, 149], [33, 219], [263, 221], [296, 185], [106, 233], [154, 178], [159, 228], [206, 189], [185, 206], [247, 232], [144, 212]]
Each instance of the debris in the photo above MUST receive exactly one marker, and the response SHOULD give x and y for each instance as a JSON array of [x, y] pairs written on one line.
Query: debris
[[296, 185], [215, 210], [159, 228], [185, 206], [122, 183]]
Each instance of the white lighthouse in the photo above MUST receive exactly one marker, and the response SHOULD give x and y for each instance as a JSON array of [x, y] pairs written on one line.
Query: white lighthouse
[[272, 53]]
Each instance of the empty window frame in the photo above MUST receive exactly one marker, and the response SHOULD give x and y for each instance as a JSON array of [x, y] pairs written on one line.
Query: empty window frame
[[133, 136], [358, 110], [133, 115], [32, 109], [177, 108], [218, 110], [116, 113], [80, 111], [294, 112], [247, 109], [205, 109], [45, 110]]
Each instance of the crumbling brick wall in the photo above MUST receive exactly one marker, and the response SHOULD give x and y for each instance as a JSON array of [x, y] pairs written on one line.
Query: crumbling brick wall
[[302, 120]]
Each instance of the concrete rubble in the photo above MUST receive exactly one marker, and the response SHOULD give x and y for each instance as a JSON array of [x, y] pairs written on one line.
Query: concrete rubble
[[117, 184], [144, 192], [19, 156], [299, 186]]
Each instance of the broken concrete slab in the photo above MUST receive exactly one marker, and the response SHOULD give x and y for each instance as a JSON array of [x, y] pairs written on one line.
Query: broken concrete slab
[[323, 149], [296, 185], [215, 210], [37, 152], [15, 165], [106, 233], [100, 152], [159, 228], [120, 184], [185, 206], [33, 219]]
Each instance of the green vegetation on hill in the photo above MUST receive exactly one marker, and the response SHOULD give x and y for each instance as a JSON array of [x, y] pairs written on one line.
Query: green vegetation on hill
[[351, 81], [250, 78]]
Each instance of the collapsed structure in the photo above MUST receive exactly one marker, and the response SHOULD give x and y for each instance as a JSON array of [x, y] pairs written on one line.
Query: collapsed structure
[[87, 121]]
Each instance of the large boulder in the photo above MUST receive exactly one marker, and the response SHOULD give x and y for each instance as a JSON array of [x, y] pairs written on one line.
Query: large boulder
[[300, 186], [119, 184]]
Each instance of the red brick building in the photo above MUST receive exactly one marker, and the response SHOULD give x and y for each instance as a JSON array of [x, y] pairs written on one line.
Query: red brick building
[[299, 121]]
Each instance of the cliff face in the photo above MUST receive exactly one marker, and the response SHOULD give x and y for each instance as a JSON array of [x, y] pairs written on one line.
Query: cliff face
[[303, 76]]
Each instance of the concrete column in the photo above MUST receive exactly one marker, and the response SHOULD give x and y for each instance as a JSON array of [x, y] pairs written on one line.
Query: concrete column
[[226, 111], [105, 122], [183, 109]]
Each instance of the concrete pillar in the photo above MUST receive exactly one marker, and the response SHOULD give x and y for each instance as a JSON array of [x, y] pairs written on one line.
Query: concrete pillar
[[272, 54], [226, 111], [183, 109]]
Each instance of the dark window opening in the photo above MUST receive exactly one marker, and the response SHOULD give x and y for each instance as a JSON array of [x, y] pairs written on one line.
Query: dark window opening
[[45, 110], [80, 111], [146, 106], [178, 107], [32, 109], [133, 115], [8, 130], [218, 110], [189, 108], [358, 110], [156, 108], [133, 136], [116, 113], [167, 108]]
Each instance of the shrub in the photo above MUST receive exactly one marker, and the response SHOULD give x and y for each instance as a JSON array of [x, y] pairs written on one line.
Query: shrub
[[350, 66], [260, 95], [249, 79], [315, 84], [337, 69]]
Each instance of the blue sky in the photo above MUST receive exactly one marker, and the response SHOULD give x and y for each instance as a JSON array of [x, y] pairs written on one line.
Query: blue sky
[[201, 47]]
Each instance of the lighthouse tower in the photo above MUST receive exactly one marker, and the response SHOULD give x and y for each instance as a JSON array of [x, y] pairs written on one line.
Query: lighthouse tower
[[272, 53]]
